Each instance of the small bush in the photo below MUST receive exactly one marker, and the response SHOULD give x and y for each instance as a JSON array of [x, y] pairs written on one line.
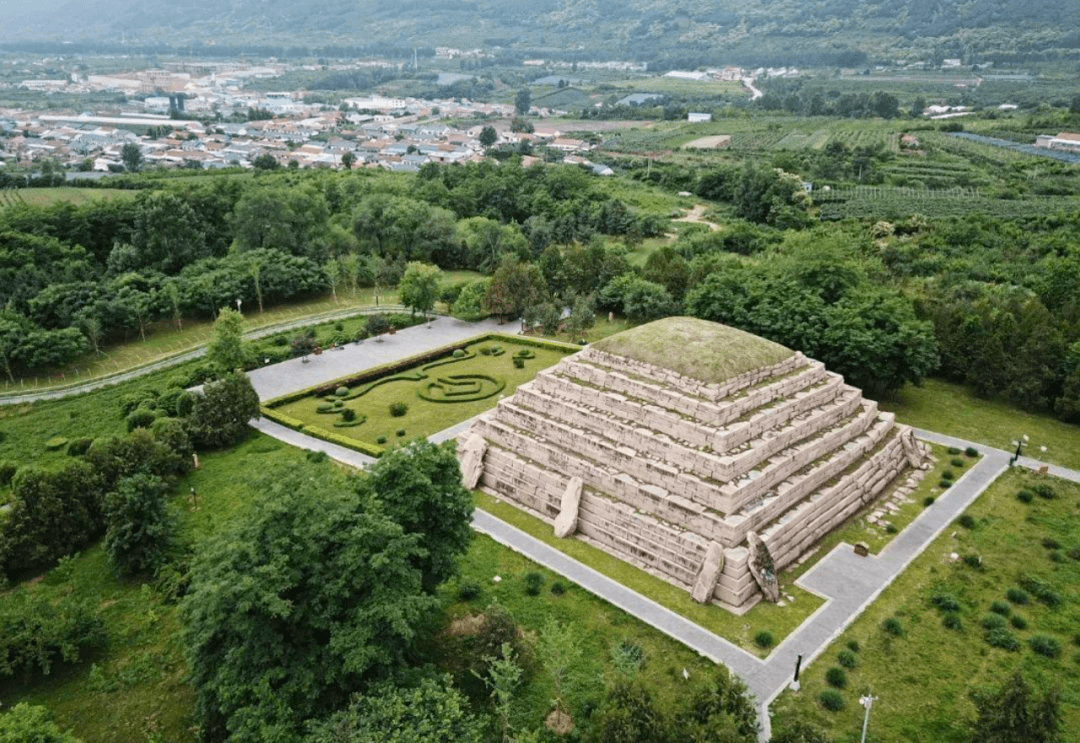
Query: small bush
[[764, 639], [1025, 496], [400, 432], [459, 353], [1044, 491], [1045, 645], [56, 443], [316, 456], [1051, 544], [846, 658], [533, 583], [853, 645], [971, 451], [558, 588], [628, 656], [7, 471], [78, 447], [831, 700], [953, 450], [948, 475], [1018, 621], [348, 414], [341, 391], [945, 601], [519, 363], [1074, 553], [992, 621], [893, 626], [380, 440], [1001, 607], [928, 501], [891, 529], [836, 677], [485, 350], [398, 409], [1002, 638], [1017, 596], [1041, 591], [945, 484], [973, 561], [957, 462], [967, 521], [952, 621], [469, 590]]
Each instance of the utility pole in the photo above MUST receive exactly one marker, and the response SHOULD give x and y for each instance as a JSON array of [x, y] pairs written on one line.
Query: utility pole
[[867, 702]]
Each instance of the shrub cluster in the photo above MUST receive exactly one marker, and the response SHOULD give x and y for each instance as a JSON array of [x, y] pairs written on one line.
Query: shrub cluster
[[764, 639]]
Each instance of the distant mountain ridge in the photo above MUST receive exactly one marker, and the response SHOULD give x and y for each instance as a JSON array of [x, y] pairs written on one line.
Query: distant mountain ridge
[[707, 29]]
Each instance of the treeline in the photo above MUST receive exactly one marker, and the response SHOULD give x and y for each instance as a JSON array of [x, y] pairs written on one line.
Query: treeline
[[73, 278]]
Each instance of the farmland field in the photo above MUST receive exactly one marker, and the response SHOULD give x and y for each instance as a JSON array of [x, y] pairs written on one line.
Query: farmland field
[[49, 196]]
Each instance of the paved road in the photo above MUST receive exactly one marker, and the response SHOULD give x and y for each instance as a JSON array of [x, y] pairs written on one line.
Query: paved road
[[78, 388]]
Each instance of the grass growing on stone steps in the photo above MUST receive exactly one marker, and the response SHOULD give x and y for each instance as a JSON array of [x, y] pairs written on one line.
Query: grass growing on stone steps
[[954, 410], [923, 676], [779, 620]]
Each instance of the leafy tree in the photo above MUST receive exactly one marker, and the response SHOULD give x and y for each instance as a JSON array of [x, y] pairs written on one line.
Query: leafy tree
[[13, 331], [799, 732], [226, 350], [24, 723], [563, 656], [644, 301], [631, 716], [431, 712], [523, 101], [140, 526], [486, 241], [419, 486], [514, 287], [304, 600], [488, 136], [1015, 712], [469, 304], [292, 220], [723, 710], [521, 124], [582, 315], [347, 159], [131, 156], [222, 411], [419, 286], [266, 161]]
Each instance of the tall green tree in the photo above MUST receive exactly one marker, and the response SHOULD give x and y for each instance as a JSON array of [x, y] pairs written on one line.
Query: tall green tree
[[226, 350], [140, 526], [1016, 712], [24, 723], [305, 599], [222, 411], [131, 156], [419, 286]]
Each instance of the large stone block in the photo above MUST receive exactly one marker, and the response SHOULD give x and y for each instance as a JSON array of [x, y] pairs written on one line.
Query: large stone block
[[566, 523]]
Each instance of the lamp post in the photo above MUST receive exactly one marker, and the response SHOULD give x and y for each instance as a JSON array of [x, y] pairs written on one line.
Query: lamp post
[[867, 702], [1019, 444], [795, 685]]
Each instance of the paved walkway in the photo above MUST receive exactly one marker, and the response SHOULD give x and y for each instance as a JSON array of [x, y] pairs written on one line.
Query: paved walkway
[[848, 583]]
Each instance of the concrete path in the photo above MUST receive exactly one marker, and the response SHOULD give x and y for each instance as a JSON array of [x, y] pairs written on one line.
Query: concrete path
[[846, 582]]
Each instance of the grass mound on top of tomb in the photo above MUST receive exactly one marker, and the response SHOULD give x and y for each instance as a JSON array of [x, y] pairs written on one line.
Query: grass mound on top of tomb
[[699, 349]]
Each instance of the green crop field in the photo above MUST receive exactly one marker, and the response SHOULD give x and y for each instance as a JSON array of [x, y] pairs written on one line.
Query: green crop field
[[49, 196]]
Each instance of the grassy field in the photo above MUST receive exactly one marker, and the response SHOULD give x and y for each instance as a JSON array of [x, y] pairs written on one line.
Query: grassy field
[[954, 410], [425, 417], [923, 676], [50, 196]]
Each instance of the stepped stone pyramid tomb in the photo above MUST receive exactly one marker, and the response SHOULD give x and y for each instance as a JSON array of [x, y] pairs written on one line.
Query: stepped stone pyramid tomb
[[707, 456]]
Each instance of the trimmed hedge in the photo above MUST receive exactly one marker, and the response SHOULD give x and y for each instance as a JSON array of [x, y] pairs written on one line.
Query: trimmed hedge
[[333, 438]]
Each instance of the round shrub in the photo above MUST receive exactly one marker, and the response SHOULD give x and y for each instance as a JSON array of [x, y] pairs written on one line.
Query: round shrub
[[185, 403], [140, 418], [893, 626], [764, 639], [468, 590], [485, 350], [1017, 596], [846, 658], [78, 447], [380, 440], [533, 583], [973, 561], [316, 456], [1045, 645], [400, 432], [992, 621], [891, 529], [953, 450], [948, 475], [519, 363], [836, 677], [459, 353], [1044, 491], [325, 407], [56, 443], [1051, 544], [945, 484], [558, 588], [1025, 496], [398, 409], [957, 462], [971, 451], [853, 645], [967, 521], [945, 601], [952, 621], [7, 471], [1002, 638], [341, 391], [1001, 607], [831, 700], [1018, 621], [928, 501]]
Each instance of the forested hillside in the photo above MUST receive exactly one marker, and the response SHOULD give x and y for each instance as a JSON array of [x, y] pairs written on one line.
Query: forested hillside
[[831, 32]]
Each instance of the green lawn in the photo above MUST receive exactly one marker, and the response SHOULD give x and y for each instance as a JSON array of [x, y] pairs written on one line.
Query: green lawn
[[954, 410], [425, 417], [67, 194], [923, 677]]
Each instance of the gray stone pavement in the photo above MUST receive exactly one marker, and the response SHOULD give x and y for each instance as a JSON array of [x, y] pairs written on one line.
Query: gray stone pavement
[[848, 583]]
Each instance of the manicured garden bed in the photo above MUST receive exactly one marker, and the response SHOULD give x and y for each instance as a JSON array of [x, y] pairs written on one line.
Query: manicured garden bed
[[420, 396]]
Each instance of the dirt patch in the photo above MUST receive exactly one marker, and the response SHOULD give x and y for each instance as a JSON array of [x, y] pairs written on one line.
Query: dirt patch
[[697, 216], [559, 722], [469, 625]]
